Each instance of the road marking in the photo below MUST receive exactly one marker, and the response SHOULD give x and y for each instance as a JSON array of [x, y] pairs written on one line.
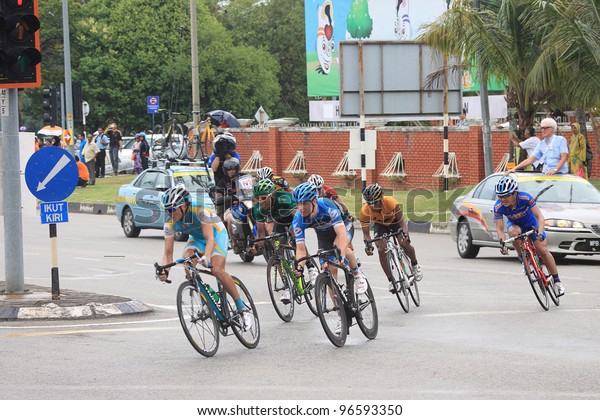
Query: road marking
[[108, 330], [86, 259], [149, 321], [451, 314]]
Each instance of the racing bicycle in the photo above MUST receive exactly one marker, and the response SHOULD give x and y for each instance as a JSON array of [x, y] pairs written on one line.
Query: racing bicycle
[[536, 271], [285, 288], [170, 139], [400, 268], [205, 314], [339, 304]]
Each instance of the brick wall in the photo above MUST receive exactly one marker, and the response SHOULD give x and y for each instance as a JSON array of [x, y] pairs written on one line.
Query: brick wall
[[421, 147]]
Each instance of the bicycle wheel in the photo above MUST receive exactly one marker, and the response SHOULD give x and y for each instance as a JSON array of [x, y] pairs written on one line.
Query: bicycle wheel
[[157, 141], [279, 285], [551, 285], [248, 337], [367, 318], [400, 281], [309, 291], [413, 285], [537, 284], [176, 141], [198, 319], [330, 306]]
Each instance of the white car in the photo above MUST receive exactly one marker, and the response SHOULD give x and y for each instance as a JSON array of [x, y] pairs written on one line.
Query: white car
[[125, 161]]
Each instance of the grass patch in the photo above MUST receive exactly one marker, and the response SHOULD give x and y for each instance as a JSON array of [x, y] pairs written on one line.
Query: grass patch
[[104, 192]]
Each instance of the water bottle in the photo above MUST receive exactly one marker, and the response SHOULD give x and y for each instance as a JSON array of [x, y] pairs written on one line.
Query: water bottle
[[214, 294], [312, 275]]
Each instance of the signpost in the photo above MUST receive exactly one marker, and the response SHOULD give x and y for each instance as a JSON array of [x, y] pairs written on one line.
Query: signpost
[[153, 103], [51, 175]]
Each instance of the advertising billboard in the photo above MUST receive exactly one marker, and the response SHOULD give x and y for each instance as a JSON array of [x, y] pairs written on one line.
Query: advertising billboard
[[330, 21]]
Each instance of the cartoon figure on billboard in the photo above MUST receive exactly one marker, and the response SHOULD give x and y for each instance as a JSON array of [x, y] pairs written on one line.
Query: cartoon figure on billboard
[[359, 22], [325, 43], [402, 23]]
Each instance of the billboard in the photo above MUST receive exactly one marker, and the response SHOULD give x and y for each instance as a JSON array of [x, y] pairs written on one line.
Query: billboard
[[330, 21]]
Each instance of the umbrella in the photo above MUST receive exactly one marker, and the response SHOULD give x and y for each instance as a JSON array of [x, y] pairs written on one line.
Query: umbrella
[[50, 131], [224, 119]]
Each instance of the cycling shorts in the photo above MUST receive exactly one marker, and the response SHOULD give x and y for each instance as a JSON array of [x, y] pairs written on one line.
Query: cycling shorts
[[221, 244], [525, 228]]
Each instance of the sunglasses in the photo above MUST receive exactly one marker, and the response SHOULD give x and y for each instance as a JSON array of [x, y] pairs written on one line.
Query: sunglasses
[[263, 197], [504, 196], [170, 209]]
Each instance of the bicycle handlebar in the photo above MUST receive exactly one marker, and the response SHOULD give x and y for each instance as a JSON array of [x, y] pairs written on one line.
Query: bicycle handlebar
[[196, 256], [387, 235], [521, 236], [268, 238], [324, 253]]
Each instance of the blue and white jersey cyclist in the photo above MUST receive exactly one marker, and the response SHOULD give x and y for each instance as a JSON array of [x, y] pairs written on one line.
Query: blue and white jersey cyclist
[[522, 213], [325, 218], [207, 235]]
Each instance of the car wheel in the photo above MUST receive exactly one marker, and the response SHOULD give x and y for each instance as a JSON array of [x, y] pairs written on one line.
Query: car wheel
[[181, 237], [464, 241], [129, 228]]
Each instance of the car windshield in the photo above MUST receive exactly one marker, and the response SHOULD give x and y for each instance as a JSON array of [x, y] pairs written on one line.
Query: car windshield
[[194, 181], [566, 191]]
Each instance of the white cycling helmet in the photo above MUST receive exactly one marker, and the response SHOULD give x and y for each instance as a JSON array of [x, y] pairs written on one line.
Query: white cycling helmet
[[175, 196], [264, 173], [316, 180]]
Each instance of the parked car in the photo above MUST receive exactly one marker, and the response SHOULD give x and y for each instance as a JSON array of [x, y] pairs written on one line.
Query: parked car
[[138, 204], [570, 205], [125, 161]]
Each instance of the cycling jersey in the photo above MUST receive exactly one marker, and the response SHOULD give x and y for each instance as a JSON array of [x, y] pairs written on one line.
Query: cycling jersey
[[327, 218], [521, 215], [386, 216], [191, 223], [281, 211]]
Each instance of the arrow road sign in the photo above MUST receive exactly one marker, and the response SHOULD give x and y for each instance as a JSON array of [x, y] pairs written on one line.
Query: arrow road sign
[[51, 174]]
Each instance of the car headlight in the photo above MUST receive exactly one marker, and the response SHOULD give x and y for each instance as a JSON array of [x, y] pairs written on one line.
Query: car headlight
[[563, 223]]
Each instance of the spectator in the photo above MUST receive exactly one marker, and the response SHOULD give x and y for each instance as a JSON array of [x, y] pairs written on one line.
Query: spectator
[[552, 152], [115, 146], [144, 150], [136, 155], [39, 143], [90, 152], [462, 120], [102, 143], [81, 142], [56, 141], [84, 175], [223, 149], [529, 144], [577, 152]]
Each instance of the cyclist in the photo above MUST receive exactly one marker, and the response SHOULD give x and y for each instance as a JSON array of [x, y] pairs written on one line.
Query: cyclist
[[329, 192], [386, 215], [207, 235], [267, 173], [522, 213], [325, 218]]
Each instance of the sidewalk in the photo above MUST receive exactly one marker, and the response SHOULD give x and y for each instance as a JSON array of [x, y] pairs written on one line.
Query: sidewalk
[[37, 303]]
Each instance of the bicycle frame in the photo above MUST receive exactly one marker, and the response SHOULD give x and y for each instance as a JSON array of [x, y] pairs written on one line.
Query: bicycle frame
[[528, 247]]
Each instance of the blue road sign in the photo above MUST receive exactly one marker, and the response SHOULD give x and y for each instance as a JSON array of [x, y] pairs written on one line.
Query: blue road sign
[[51, 174], [55, 212], [153, 104]]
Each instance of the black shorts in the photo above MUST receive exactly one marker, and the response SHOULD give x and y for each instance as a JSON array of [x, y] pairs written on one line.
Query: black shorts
[[381, 230], [327, 237]]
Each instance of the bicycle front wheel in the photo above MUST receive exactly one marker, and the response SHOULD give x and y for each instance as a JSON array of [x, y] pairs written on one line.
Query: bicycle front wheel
[[400, 281], [198, 319], [248, 336], [309, 290], [367, 318], [551, 286], [330, 306], [280, 289], [176, 141], [537, 284], [412, 284]]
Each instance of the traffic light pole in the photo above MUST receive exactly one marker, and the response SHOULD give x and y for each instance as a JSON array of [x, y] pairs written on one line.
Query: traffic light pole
[[11, 190], [68, 92]]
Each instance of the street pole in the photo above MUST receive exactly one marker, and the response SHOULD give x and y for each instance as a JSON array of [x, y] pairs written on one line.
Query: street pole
[[363, 156], [195, 66], [446, 118], [68, 92], [11, 197]]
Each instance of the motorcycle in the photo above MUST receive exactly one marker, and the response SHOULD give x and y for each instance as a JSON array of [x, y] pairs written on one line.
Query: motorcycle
[[242, 227]]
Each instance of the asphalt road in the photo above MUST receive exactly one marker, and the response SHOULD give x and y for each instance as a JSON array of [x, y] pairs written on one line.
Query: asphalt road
[[479, 333]]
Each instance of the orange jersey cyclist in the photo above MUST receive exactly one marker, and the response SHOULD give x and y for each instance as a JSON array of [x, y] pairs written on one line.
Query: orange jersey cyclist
[[207, 235], [385, 214]]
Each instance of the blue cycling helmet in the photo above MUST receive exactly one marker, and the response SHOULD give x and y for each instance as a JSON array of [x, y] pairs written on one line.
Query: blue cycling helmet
[[506, 186], [305, 192]]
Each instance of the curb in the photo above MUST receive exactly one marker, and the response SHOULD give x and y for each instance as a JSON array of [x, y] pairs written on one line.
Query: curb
[[91, 208], [51, 311]]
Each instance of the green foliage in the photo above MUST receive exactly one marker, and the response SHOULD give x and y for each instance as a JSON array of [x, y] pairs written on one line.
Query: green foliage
[[360, 24]]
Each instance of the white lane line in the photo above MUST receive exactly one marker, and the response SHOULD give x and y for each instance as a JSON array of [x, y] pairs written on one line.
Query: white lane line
[[453, 314], [32, 327], [95, 331], [86, 259]]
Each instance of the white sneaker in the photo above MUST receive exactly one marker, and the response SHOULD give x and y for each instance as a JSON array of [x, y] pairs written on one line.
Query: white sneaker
[[392, 288], [312, 275], [285, 297], [560, 289], [360, 283], [248, 320], [418, 272]]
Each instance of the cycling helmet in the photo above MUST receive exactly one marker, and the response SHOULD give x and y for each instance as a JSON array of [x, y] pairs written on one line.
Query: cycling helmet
[[175, 196], [317, 181], [264, 173], [304, 192], [263, 187], [373, 193], [231, 163], [506, 186], [224, 143]]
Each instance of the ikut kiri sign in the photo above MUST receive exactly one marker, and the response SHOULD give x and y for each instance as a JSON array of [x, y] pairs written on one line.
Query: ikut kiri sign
[[54, 212]]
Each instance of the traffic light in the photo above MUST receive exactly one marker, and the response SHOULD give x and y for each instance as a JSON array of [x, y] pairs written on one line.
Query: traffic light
[[50, 105], [20, 55], [77, 100]]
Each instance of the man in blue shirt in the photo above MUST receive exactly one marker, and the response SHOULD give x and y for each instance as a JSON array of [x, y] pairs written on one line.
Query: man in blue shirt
[[102, 143], [522, 213], [552, 152]]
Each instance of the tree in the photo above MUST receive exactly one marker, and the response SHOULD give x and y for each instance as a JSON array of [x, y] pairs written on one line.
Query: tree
[[359, 22]]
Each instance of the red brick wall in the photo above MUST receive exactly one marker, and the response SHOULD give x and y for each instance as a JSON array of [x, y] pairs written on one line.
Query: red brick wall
[[421, 147]]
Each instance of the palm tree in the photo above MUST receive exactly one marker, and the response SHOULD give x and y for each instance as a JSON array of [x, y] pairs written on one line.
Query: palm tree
[[499, 38]]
